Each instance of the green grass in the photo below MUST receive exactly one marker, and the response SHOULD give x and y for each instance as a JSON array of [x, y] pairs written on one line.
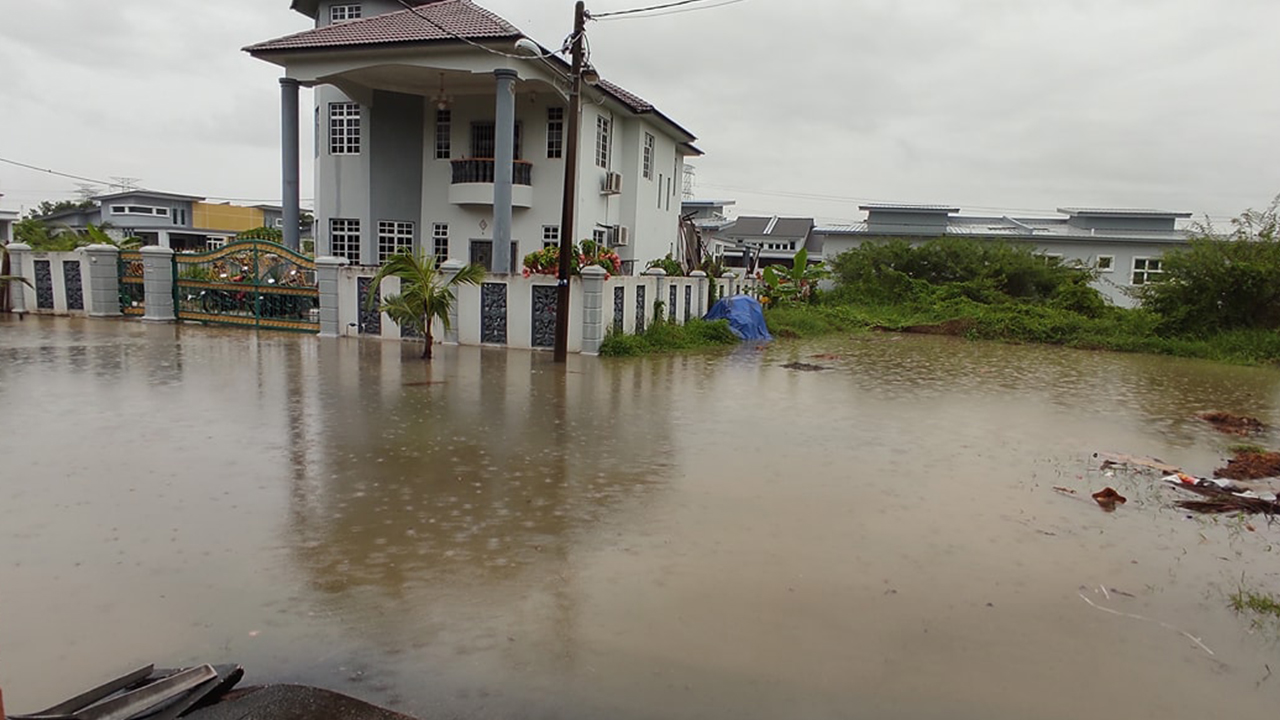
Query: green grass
[[666, 337], [1256, 602], [1113, 328]]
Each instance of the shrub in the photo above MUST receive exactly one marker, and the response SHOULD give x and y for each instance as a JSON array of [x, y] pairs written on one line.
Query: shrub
[[982, 270]]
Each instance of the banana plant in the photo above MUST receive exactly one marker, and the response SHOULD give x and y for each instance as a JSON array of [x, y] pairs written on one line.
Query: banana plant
[[794, 284]]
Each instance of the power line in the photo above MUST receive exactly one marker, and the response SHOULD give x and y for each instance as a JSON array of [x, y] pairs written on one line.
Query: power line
[[55, 172], [116, 184], [670, 12], [633, 11]]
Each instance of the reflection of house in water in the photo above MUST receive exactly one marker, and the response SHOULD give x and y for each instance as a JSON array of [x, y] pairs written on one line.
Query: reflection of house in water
[[430, 489]]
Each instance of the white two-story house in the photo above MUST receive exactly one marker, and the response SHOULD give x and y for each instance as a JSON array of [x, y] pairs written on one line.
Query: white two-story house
[[411, 107]]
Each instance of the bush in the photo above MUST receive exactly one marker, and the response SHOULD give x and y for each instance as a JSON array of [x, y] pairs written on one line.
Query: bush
[[662, 337], [982, 270], [1218, 284]]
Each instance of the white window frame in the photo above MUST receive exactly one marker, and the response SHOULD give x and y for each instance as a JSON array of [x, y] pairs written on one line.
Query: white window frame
[[600, 236], [344, 238], [444, 134], [555, 133], [1111, 263], [604, 130], [140, 210], [649, 141], [345, 12], [394, 236], [344, 128], [440, 242], [1146, 272], [550, 236]]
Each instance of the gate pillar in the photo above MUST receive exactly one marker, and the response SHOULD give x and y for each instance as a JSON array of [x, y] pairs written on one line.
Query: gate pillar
[[157, 281]]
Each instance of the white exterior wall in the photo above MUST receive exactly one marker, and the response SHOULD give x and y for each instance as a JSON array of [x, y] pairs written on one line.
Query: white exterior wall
[[59, 283], [341, 188], [465, 220]]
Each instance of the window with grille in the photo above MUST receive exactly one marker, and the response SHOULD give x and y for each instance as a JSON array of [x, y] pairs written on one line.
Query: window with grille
[[1147, 270], [440, 241], [600, 236], [344, 128], [444, 131], [550, 236], [602, 141], [344, 239], [343, 13], [484, 140], [555, 132], [648, 156], [393, 238]]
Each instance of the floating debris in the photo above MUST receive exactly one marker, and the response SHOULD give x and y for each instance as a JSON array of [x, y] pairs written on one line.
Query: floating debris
[[1107, 498], [1250, 465], [804, 367], [1110, 459], [1233, 424]]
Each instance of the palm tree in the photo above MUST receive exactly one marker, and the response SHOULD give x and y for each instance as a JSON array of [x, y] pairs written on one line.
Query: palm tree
[[424, 293]]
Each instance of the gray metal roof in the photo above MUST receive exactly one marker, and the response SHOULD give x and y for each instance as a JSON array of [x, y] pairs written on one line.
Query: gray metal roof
[[147, 193], [1026, 229], [779, 227], [903, 207], [1123, 212]]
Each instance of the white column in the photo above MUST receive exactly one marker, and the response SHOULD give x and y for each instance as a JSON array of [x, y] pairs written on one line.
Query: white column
[[449, 269], [103, 299], [157, 282], [327, 269], [592, 309], [18, 261]]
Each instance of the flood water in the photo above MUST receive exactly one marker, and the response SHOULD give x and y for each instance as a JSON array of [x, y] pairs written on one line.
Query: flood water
[[707, 536]]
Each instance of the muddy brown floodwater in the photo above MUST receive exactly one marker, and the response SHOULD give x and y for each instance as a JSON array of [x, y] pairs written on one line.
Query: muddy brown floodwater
[[709, 536]]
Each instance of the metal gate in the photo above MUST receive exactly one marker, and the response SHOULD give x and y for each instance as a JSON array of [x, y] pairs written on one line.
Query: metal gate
[[251, 283], [133, 297]]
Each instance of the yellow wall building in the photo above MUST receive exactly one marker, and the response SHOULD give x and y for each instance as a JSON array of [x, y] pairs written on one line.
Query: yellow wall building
[[226, 217]]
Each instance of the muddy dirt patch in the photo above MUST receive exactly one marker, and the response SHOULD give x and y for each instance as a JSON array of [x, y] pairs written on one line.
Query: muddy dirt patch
[[1249, 465], [1233, 424]]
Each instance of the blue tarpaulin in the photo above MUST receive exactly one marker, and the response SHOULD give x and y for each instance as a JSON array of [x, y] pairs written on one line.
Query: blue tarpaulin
[[745, 316]]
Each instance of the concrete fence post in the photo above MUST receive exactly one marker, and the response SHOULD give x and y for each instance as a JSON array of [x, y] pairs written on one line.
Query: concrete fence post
[[157, 283], [729, 276], [660, 281], [592, 309], [448, 270], [327, 270], [18, 254], [104, 281], [701, 307]]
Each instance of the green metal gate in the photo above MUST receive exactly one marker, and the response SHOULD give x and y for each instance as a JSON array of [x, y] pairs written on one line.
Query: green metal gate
[[252, 283], [133, 299]]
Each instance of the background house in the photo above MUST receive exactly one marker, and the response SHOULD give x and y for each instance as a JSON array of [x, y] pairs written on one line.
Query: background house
[[7, 219], [1123, 245], [412, 108], [180, 222], [756, 241]]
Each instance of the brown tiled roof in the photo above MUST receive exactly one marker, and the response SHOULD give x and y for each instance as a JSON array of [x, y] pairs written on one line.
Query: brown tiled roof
[[442, 20], [630, 99], [445, 20]]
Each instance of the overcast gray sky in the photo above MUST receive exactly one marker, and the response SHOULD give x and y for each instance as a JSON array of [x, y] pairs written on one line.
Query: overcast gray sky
[[804, 107]]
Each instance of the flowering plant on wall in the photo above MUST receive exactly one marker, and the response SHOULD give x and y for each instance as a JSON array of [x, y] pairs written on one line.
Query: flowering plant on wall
[[547, 260]]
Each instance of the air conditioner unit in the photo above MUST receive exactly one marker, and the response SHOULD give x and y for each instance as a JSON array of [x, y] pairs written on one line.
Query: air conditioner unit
[[620, 235], [612, 184]]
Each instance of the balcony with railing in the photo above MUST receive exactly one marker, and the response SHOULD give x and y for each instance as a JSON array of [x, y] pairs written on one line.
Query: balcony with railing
[[472, 182]]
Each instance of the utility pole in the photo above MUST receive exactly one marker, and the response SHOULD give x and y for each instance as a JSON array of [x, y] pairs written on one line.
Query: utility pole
[[570, 184]]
